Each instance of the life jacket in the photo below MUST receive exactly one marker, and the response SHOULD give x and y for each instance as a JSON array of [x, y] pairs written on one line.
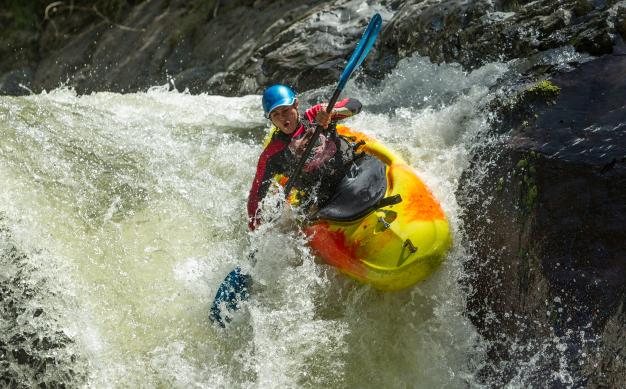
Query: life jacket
[[319, 182], [277, 162]]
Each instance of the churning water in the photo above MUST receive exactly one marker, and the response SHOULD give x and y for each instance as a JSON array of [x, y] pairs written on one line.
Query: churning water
[[121, 214]]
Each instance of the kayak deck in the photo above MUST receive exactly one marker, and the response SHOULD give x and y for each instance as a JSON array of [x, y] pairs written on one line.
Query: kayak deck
[[392, 247]]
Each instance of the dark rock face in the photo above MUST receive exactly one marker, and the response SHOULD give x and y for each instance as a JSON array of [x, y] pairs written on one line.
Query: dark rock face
[[477, 32], [547, 226], [16, 82], [239, 47], [308, 54], [233, 47], [183, 42]]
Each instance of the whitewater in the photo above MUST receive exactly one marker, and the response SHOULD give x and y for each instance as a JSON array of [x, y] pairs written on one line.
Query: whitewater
[[122, 213]]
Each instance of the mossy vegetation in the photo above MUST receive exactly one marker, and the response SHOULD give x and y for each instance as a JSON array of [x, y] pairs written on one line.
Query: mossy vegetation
[[522, 109], [526, 172], [545, 89]]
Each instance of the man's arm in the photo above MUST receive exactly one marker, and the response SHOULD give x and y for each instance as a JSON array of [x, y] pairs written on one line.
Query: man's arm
[[343, 109], [265, 171]]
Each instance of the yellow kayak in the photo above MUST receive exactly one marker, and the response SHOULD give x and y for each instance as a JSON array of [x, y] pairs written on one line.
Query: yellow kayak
[[393, 244]]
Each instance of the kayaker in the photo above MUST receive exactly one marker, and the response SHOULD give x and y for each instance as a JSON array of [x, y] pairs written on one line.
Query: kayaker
[[325, 166]]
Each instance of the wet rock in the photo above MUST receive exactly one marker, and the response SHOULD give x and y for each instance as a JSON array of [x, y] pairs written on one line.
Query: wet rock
[[16, 83], [547, 226], [227, 47], [582, 8], [239, 47], [104, 55], [184, 44], [19, 37], [475, 33], [310, 53], [194, 79]]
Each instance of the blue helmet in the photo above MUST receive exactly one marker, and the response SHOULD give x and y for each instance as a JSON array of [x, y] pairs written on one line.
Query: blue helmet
[[277, 96]]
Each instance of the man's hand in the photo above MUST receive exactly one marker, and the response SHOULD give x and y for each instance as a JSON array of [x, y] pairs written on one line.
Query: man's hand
[[323, 118]]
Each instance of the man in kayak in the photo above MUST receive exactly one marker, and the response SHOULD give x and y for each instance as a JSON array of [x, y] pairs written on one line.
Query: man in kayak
[[328, 161]]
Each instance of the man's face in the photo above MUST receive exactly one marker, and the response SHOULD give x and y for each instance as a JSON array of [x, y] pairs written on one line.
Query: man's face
[[285, 118]]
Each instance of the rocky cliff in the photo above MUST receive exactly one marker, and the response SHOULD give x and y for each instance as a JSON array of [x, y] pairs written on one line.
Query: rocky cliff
[[236, 47], [546, 225], [226, 47]]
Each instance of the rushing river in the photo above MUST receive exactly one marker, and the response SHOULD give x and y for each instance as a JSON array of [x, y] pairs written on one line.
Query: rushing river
[[121, 214]]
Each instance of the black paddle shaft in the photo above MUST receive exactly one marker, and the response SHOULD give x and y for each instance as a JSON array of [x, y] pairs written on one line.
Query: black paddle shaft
[[297, 171]]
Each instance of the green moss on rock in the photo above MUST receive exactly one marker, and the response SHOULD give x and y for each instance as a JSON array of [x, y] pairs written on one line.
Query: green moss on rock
[[529, 191], [545, 89]]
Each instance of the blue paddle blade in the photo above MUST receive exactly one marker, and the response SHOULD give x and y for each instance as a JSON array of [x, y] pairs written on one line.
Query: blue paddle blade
[[232, 291], [362, 49]]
